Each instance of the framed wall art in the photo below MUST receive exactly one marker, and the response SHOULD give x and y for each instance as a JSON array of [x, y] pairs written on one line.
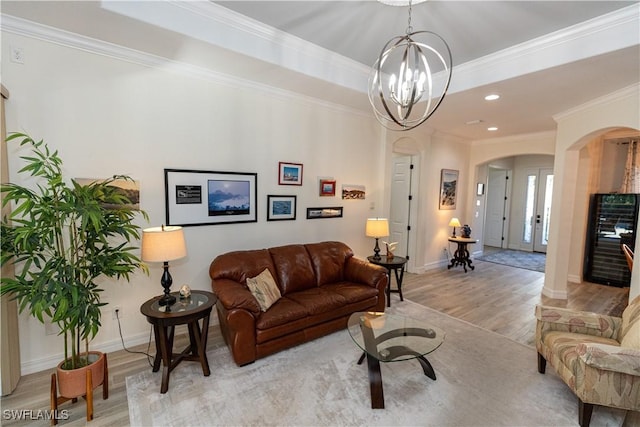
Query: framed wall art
[[327, 187], [195, 197], [448, 188], [281, 208], [353, 192], [289, 173], [316, 213]]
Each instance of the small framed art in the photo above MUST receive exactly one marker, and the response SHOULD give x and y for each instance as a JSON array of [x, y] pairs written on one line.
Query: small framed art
[[281, 208], [327, 187], [315, 213], [289, 173], [448, 189]]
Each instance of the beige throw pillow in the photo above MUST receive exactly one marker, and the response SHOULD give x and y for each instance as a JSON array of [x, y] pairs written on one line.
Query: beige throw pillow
[[264, 289]]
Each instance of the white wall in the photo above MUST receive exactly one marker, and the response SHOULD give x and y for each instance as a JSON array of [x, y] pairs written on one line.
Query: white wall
[[576, 128], [109, 116]]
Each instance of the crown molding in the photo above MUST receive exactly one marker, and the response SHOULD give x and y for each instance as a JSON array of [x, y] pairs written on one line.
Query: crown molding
[[607, 33], [632, 91], [30, 29]]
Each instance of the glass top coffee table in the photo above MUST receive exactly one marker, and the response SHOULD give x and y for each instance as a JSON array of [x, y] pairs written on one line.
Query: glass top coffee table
[[391, 338]]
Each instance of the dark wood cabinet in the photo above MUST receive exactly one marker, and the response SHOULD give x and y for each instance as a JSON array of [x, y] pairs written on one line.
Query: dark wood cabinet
[[612, 221]]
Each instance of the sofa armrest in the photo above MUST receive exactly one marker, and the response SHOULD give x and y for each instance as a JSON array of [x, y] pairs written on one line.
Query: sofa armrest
[[233, 295], [360, 271], [584, 322], [610, 357]]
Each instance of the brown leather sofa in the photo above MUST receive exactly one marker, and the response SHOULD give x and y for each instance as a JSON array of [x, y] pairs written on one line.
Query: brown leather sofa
[[321, 284]]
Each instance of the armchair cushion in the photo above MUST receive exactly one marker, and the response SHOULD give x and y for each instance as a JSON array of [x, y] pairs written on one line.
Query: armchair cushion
[[630, 330], [610, 357]]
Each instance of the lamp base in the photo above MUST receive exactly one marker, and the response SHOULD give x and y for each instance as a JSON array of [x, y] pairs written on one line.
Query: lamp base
[[167, 300], [376, 251]]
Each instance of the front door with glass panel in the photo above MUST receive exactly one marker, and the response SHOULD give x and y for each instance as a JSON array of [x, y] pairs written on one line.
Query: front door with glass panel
[[537, 209]]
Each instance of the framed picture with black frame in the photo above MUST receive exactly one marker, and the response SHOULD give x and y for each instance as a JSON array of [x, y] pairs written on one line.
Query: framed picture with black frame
[[196, 197], [281, 208]]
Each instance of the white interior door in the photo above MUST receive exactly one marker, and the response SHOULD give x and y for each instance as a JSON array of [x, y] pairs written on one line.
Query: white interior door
[[496, 210], [403, 205], [543, 210], [537, 209]]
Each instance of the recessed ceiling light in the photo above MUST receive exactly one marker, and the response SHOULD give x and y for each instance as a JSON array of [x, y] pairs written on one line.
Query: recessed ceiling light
[[492, 97], [492, 129]]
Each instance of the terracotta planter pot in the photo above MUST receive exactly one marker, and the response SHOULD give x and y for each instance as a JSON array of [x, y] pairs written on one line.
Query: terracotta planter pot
[[72, 383]]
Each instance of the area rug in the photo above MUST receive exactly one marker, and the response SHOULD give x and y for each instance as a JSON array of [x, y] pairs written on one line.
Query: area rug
[[483, 379], [521, 259]]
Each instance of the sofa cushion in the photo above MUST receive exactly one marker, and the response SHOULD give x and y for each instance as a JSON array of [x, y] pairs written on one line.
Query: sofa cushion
[[318, 300], [293, 268], [281, 312], [264, 289], [329, 259], [352, 292], [240, 265]]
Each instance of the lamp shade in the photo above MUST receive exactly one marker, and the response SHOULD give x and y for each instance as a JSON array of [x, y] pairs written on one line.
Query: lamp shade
[[377, 227], [160, 244], [455, 222]]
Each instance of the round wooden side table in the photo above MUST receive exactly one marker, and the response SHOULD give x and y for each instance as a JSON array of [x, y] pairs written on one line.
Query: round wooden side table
[[395, 264], [186, 311]]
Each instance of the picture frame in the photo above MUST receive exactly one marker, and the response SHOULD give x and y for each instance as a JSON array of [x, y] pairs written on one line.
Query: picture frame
[[327, 187], [448, 189], [353, 192], [129, 188], [480, 189], [317, 213], [289, 173], [196, 197], [281, 208]]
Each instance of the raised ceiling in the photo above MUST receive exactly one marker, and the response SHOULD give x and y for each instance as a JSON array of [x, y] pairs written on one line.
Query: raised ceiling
[[542, 57]]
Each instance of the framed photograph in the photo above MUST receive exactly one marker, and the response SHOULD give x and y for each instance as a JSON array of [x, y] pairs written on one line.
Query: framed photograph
[[195, 197], [128, 188], [353, 192], [315, 213], [289, 173], [480, 189], [327, 187], [281, 208], [448, 189]]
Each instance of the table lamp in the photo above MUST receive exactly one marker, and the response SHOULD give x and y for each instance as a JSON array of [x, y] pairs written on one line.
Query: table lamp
[[454, 223], [164, 244], [377, 227]]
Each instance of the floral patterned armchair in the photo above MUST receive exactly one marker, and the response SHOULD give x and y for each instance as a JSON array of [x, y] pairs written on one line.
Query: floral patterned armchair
[[597, 356]]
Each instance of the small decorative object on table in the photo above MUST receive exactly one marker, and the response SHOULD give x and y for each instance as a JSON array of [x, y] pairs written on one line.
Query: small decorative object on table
[[185, 292], [390, 248], [466, 231]]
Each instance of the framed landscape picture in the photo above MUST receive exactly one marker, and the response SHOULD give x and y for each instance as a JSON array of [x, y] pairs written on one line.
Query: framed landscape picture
[[448, 188], [195, 197], [316, 213], [289, 173], [281, 208]]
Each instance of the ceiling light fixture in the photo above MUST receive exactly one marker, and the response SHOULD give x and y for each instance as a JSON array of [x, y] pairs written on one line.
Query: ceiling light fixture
[[492, 97], [492, 129], [410, 78]]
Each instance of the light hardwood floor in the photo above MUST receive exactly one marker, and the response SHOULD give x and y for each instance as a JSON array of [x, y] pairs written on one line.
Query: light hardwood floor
[[493, 296]]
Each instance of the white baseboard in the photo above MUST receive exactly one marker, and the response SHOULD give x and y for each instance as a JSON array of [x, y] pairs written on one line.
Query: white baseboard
[[574, 278], [554, 294]]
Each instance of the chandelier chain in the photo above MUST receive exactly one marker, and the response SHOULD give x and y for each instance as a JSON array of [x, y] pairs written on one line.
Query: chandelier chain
[[409, 27]]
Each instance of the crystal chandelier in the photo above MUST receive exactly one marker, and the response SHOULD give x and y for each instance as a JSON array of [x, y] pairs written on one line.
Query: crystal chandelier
[[410, 78]]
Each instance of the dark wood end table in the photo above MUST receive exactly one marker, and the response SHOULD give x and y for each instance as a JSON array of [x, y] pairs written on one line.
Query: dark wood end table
[[395, 264], [461, 255], [186, 311]]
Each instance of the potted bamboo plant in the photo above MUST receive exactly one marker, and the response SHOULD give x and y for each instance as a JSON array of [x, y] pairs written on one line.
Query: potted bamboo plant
[[63, 237]]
